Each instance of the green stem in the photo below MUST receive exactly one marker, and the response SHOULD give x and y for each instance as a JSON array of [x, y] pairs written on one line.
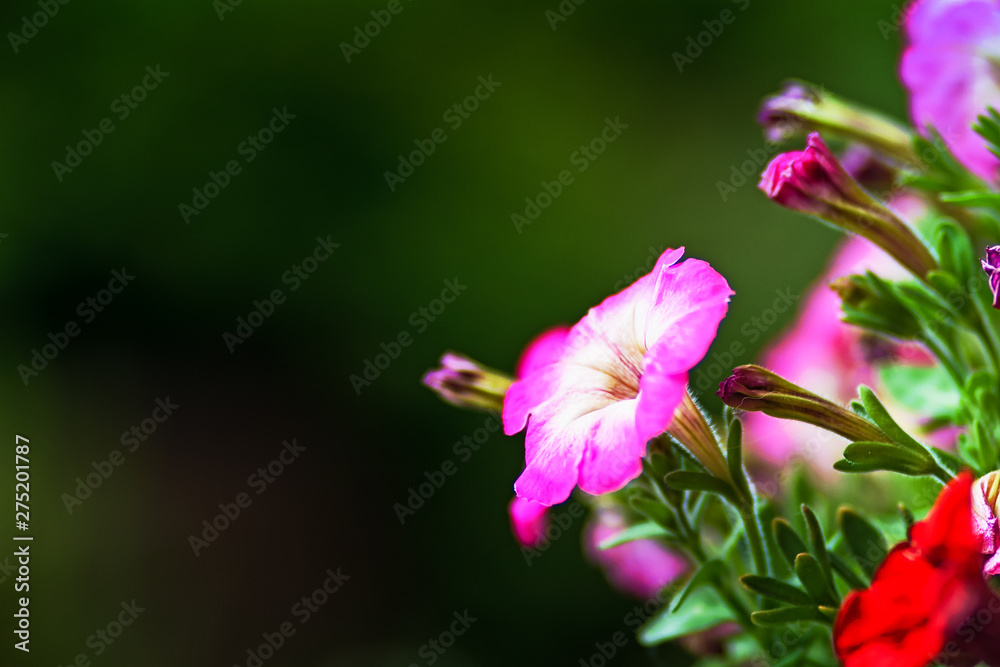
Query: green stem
[[756, 541]]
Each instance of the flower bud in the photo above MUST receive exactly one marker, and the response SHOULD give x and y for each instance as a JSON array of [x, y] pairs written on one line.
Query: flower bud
[[869, 302], [755, 389], [801, 107], [468, 384], [814, 182]]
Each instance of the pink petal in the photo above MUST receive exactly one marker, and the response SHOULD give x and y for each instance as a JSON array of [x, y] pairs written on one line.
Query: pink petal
[[528, 521]]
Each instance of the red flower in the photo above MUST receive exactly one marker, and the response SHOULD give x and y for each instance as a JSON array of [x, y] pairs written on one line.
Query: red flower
[[929, 601]]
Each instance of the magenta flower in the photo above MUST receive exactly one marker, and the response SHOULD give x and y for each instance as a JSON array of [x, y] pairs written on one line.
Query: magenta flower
[[617, 382], [814, 182], [949, 68], [640, 568], [991, 265], [544, 349], [986, 524], [529, 521]]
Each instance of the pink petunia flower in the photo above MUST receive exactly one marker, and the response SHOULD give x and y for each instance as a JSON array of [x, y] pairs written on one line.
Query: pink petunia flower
[[986, 524], [529, 521], [991, 265], [949, 67], [616, 384], [640, 568]]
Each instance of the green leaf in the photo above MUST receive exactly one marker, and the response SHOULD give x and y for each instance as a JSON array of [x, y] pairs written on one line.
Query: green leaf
[[789, 542], [809, 572], [683, 480], [881, 456], [866, 543], [975, 198], [656, 511], [884, 421], [925, 390], [640, 531], [818, 543], [776, 618], [775, 590], [846, 572], [706, 574], [704, 610]]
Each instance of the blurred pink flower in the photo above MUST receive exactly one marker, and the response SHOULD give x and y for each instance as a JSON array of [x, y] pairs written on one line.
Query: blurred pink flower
[[986, 524], [640, 568], [949, 67], [529, 521], [831, 358], [616, 383]]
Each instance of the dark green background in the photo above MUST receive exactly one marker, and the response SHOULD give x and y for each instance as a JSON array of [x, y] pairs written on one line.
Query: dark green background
[[654, 187]]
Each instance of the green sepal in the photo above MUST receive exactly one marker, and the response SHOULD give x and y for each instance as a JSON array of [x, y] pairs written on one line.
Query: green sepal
[[640, 531], [704, 610], [776, 618], [870, 456], [789, 542]]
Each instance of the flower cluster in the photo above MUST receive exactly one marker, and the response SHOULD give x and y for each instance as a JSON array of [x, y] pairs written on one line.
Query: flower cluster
[[888, 380]]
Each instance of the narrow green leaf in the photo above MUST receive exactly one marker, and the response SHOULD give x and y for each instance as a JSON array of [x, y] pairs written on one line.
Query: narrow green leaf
[[809, 572], [884, 421], [882, 456], [776, 618], [656, 511], [789, 542], [683, 480], [705, 575], [775, 590], [640, 531], [865, 542], [846, 572], [704, 610], [818, 543]]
